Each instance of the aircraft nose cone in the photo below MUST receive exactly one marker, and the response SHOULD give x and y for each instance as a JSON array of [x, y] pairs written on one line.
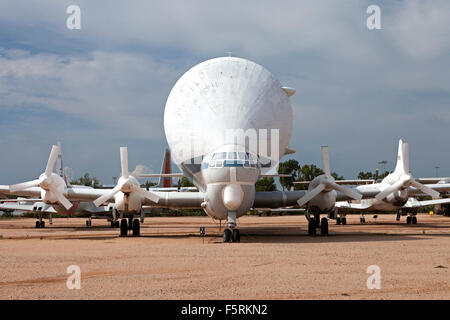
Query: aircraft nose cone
[[232, 196]]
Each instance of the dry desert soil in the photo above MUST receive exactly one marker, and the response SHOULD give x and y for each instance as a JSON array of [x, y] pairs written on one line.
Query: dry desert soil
[[275, 259]]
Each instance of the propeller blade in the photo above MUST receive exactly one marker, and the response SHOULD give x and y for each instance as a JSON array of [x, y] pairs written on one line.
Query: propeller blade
[[383, 194], [24, 185], [310, 194], [347, 191], [326, 160], [405, 157], [62, 199], [147, 194], [424, 189], [124, 161], [51, 161], [102, 199]]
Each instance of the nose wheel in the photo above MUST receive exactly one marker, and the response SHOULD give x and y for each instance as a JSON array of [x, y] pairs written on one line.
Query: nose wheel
[[231, 235]]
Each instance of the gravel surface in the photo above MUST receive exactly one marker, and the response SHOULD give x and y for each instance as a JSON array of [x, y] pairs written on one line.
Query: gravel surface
[[275, 259]]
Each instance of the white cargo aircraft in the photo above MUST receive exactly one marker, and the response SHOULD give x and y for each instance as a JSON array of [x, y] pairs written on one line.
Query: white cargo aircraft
[[395, 192], [42, 207], [212, 117]]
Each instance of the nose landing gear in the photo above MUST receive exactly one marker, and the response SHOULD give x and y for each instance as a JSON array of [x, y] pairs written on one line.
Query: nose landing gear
[[231, 234]]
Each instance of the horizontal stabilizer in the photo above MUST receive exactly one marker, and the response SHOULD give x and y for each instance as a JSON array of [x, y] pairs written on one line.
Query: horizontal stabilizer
[[289, 91]]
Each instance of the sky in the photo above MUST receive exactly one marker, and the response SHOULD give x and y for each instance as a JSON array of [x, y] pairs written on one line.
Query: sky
[[106, 85]]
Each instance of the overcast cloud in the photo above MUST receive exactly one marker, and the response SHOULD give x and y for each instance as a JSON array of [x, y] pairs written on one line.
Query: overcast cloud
[[106, 85]]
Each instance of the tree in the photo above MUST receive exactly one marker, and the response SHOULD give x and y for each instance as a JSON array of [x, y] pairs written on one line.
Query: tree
[[265, 184], [336, 176], [185, 183], [86, 180], [288, 167], [309, 171], [148, 184], [365, 175]]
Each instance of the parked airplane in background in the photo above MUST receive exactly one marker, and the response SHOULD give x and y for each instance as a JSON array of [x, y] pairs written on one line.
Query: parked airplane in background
[[396, 192], [80, 208], [228, 121]]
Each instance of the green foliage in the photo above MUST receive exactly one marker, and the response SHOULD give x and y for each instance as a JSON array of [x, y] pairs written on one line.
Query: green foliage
[[148, 184], [86, 180], [365, 175], [309, 171], [186, 183], [288, 167], [370, 175], [265, 184]]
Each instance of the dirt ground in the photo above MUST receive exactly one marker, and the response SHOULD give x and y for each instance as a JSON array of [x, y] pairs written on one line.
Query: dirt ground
[[276, 259]]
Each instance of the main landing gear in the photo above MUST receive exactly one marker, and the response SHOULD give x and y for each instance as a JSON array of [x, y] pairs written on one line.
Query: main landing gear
[[313, 225], [115, 223], [231, 234], [411, 219], [40, 223], [89, 222], [131, 224]]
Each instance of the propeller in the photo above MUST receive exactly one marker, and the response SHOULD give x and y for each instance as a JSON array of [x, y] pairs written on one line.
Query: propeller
[[405, 180], [47, 181], [126, 183], [327, 183]]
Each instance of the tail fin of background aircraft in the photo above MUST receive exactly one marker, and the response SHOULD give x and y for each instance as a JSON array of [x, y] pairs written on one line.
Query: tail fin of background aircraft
[[165, 182], [402, 158], [60, 168]]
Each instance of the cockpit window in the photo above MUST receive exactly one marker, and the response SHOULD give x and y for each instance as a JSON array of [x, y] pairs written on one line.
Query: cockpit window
[[232, 156]]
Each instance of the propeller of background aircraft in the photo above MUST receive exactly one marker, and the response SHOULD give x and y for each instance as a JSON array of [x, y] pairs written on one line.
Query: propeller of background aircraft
[[48, 181], [405, 180], [327, 183], [126, 183]]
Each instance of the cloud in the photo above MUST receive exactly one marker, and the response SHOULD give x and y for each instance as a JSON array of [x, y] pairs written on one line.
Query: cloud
[[106, 85]]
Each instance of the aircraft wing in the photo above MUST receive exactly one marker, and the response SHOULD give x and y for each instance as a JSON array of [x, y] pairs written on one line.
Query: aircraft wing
[[355, 206], [186, 200], [414, 203], [25, 207], [343, 182], [73, 194]]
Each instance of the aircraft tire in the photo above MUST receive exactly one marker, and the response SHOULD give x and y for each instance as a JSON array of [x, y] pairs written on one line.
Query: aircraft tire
[[408, 220], [236, 237], [338, 221], [414, 220], [312, 227], [123, 228], [324, 226], [344, 221], [136, 228], [226, 235], [42, 224]]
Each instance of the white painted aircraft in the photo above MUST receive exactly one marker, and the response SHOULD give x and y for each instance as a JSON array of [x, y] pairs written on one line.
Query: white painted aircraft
[[45, 207], [213, 116], [396, 192]]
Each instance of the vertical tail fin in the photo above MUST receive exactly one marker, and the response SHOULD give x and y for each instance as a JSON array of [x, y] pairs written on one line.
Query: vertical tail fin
[[402, 158], [165, 182]]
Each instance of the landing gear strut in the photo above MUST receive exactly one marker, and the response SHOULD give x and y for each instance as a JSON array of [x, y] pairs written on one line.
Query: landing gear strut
[[88, 222]]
